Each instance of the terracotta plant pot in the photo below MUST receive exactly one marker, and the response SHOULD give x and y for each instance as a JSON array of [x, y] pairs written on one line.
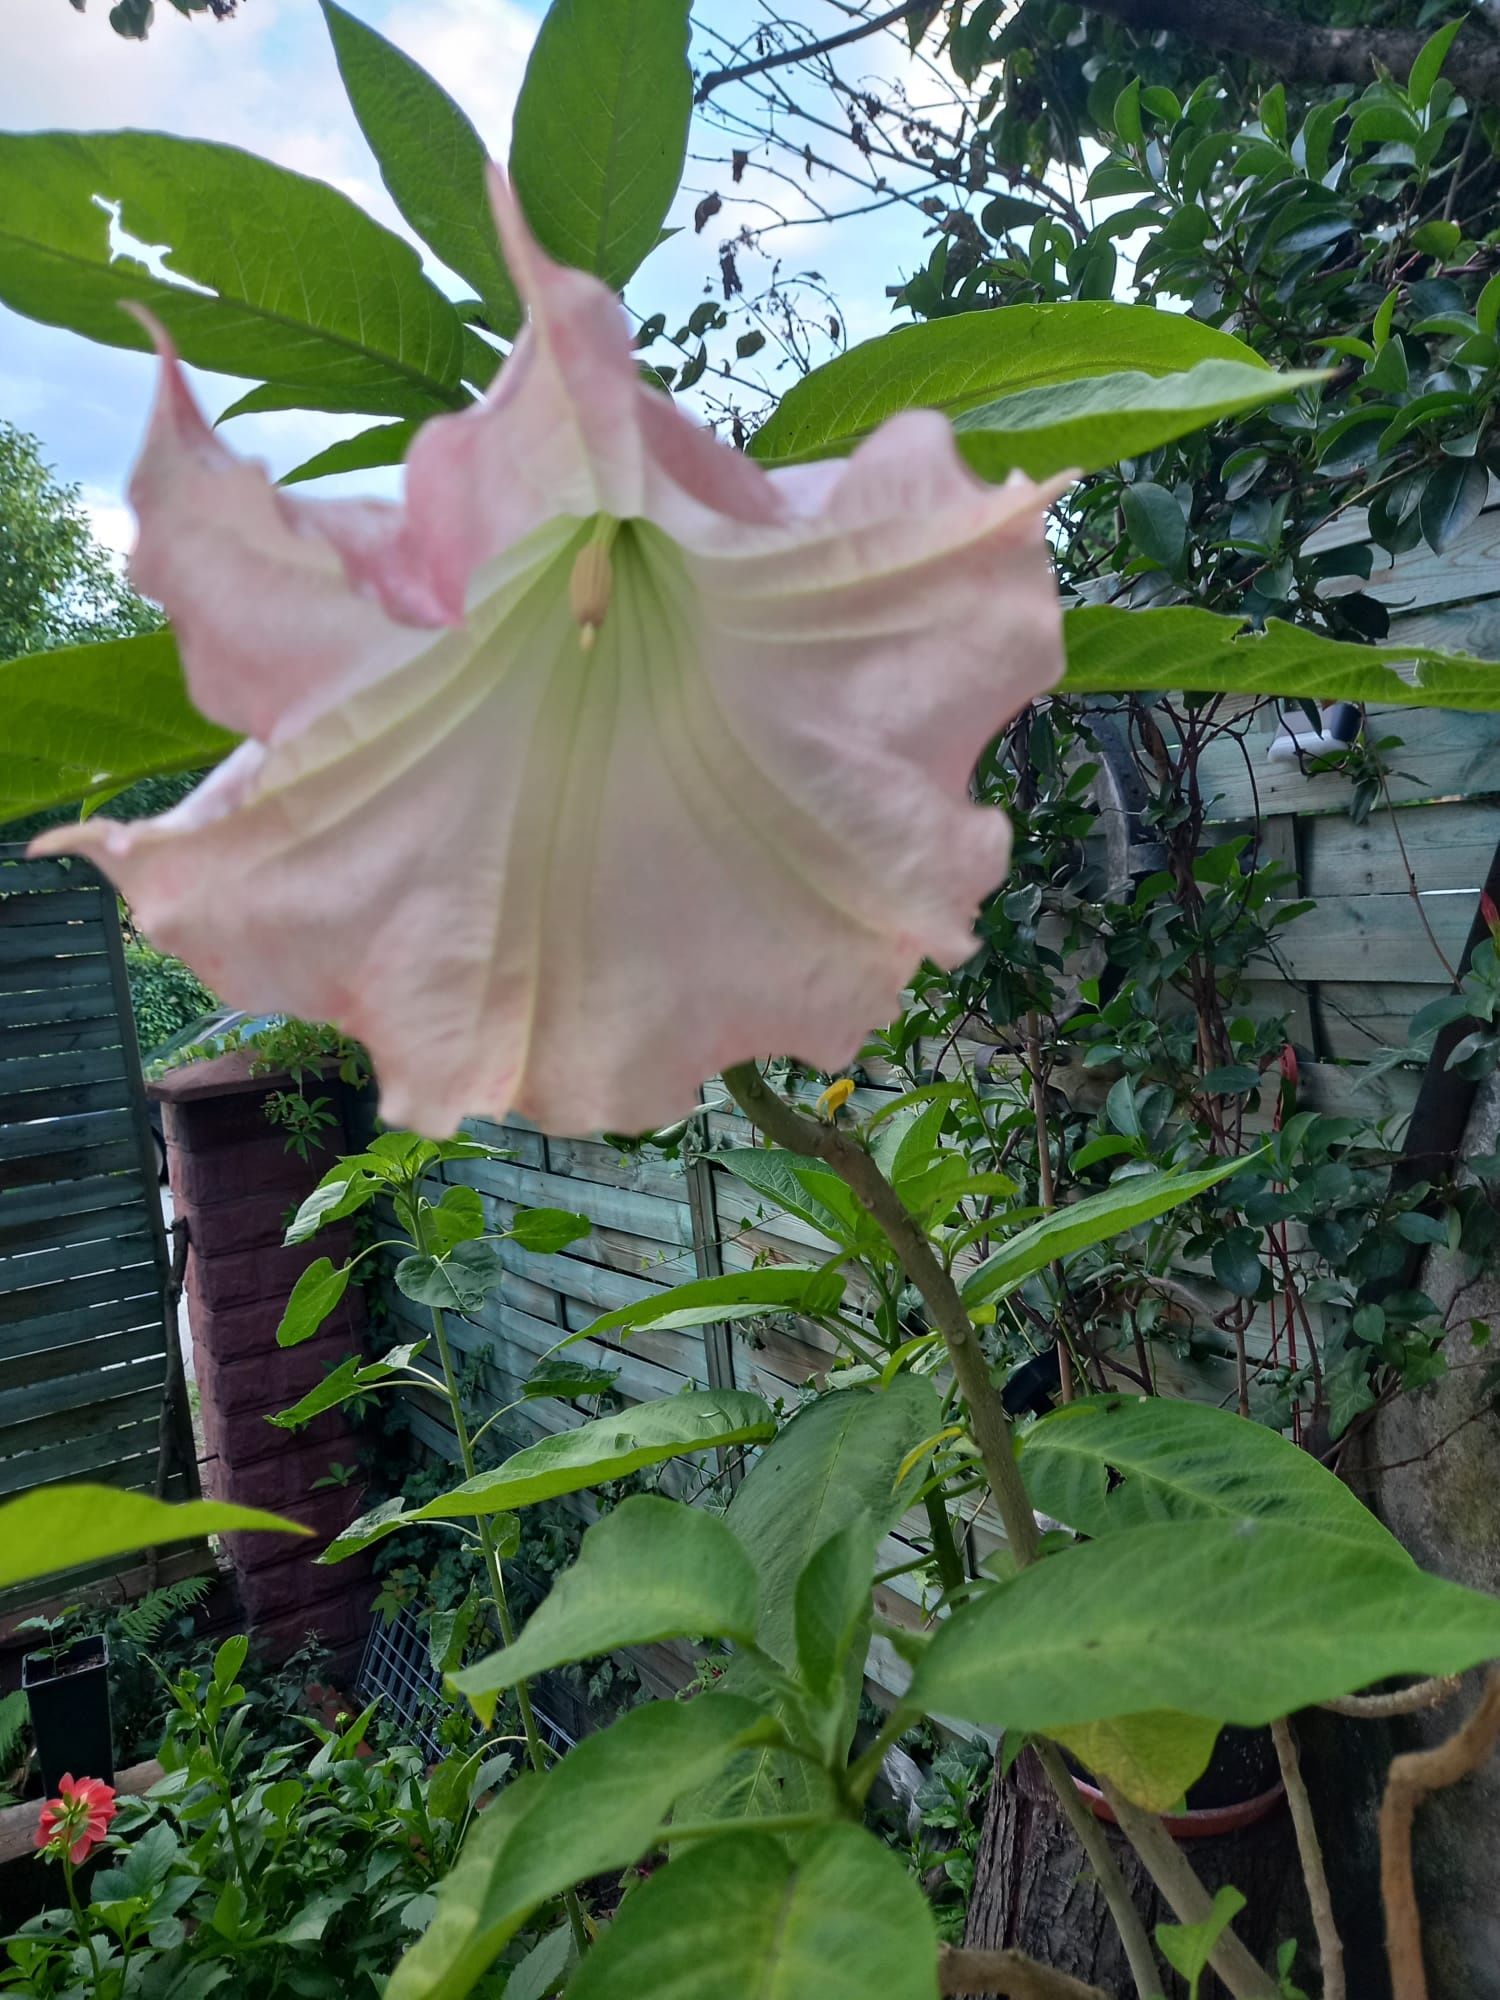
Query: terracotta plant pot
[[1241, 1785]]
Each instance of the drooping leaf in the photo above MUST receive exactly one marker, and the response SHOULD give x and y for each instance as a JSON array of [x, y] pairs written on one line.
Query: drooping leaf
[[548, 1230], [601, 130], [350, 1379], [274, 275], [597, 1811], [1110, 1463], [1044, 388], [1098, 1217], [653, 1569], [430, 157], [1235, 1621], [343, 1191], [736, 1295], [458, 1217], [312, 1299], [737, 1915], [393, 1515], [831, 1615], [774, 1175], [836, 1461], [92, 718], [1112, 651], [64, 1527], [458, 1281], [568, 1378], [382, 444], [1153, 1758]]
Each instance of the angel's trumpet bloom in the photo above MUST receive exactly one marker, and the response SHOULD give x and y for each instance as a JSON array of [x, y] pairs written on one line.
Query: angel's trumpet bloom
[[604, 759]]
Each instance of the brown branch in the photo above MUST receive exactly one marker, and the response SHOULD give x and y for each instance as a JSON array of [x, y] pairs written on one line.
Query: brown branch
[[1008, 1974], [808, 51], [1310, 1852], [1300, 50], [1403, 1701], [1411, 1778]]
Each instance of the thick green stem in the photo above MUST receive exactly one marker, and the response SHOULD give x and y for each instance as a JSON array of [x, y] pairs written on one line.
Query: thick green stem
[[991, 1431], [84, 1932]]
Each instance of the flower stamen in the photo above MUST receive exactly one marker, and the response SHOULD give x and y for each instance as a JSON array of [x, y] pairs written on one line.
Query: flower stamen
[[592, 584]]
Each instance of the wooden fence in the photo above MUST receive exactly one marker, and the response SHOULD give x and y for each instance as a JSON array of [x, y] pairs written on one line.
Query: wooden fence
[[90, 1385]]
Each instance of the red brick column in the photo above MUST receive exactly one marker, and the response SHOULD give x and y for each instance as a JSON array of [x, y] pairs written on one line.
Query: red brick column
[[237, 1185]]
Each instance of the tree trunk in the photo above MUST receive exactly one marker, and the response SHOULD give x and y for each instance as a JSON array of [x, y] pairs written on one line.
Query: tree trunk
[[1034, 1891]]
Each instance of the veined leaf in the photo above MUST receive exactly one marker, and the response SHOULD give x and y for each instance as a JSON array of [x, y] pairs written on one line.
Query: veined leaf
[[737, 1915], [654, 1569], [1234, 1621], [383, 444], [1042, 387], [1111, 651], [1095, 1219], [430, 157], [736, 1295], [274, 275], [312, 1299], [1110, 1463], [350, 1379], [1153, 1758], [92, 718], [64, 1527], [601, 130], [599, 1810]]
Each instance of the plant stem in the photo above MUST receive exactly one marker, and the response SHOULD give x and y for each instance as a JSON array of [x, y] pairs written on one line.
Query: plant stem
[[1330, 1944], [78, 1917], [1094, 1841]]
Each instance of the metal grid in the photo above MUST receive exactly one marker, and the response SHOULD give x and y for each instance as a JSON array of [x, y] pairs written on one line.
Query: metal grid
[[397, 1667]]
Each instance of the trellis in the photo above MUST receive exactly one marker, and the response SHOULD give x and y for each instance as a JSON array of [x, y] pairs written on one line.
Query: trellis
[[91, 1383]]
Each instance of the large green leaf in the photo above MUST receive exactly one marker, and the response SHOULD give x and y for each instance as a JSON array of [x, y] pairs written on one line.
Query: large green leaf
[[1041, 387], [430, 158], [591, 1454], [1115, 1462], [1125, 1205], [838, 1459], [351, 1379], [601, 130], [276, 276], [382, 444], [1153, 1758], [1111, 651], [314, 1296], [599, 1810], [63, 1527], [738, 1918], [790, 1183], [92, 718], [653, 1569], [1235, 1621], [737, 1295]]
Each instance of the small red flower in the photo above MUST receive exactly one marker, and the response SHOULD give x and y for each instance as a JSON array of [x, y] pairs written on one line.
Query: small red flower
[[1490, 914], [77, 1819]]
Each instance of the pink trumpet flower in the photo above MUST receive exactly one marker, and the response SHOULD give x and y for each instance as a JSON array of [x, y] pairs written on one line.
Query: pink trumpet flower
[[606, 757]]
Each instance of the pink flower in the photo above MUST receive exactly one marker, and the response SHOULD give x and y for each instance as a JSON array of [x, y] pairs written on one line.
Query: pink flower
[[77, 1819], [606, 758]]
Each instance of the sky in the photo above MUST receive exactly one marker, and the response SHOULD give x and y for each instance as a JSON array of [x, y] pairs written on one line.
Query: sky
[[267, 81]]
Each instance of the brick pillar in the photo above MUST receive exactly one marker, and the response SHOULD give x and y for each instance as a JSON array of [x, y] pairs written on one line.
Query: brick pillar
[[237, 1185]]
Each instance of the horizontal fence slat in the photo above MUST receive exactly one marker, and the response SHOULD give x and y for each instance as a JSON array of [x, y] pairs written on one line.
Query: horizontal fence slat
[[74, 1329], [62, 1069], [1365, 937], [36, 1170], [70, 1197], [113, 1414], [75, 998], [83, 904], [63, 1135], [51, 1039], [91, 1225], [124, 1457], [40, 944], [65, 1100], [20, 872], [99, 1380], [116, 1287], [32, 1272]]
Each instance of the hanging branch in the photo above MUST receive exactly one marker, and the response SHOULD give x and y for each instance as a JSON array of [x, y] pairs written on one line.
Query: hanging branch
[[808, 51], [1411, 1778], [1403, 1701]]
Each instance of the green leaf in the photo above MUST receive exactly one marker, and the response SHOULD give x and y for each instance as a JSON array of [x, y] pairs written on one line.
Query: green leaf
[[1153, 1758], [1428, 66], [343, 1191], [595, 1453], [384, 444], [737, 1916], [92, 718], [312, 1299], [392, 1515], [276, 276], [567, 1378], [1236, 1621], [1187, 1948], [544, 1967], [548, 1230], [1124, 1205], [64, 1527], [430, 157], [1111, 1463], [1235, 1260], [775, 1176], [458, 1281], [1127, 114], [1452, 499], [1042, 387], [831, 1618], [1111, 651], [601, 130], [596, 1812], [350, 1379], [1155, 523], [654, 1569], [737, 1295], [457, 1218], [837, 1461]]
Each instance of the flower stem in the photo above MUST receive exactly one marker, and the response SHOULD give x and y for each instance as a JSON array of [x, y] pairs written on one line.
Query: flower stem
[[78, 1917]]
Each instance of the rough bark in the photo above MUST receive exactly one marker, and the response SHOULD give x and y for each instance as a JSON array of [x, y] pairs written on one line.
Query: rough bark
[[1033, 1891], [1305, 51]]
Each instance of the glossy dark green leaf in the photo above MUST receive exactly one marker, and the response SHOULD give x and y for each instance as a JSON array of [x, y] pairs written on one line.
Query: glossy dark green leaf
[[1155, 523], [430, 158], [1455, 492], [600, 131], [383, 444], [277, 276]]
